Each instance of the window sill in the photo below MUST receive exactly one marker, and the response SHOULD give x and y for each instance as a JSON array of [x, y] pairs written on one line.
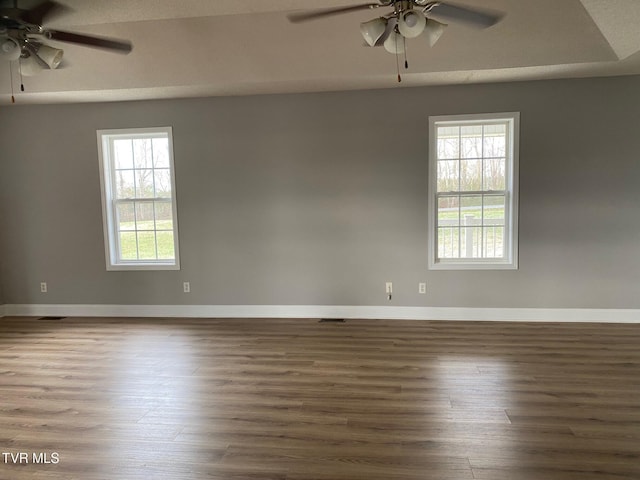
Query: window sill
[[142, 266], [472, 266]]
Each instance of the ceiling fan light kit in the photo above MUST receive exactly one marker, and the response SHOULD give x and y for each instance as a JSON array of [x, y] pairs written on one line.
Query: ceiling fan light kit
[[30, 66], [372, 30], [433, 31], [411, 23], [10, 49], [49, 55], [405, 22], [409, 19], [394, 44]]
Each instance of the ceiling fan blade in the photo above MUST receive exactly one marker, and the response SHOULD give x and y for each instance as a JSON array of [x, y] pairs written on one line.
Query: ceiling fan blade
[[42, 12], [328, 12], [474, 17], [115, 45]]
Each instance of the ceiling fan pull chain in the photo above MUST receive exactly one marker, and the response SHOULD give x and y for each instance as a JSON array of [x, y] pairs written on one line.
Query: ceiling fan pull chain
[[20, 72], [398, 66], [406, 62], [13, 99]]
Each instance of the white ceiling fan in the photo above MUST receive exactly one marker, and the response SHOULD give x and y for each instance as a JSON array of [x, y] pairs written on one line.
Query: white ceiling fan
[[408, 19]]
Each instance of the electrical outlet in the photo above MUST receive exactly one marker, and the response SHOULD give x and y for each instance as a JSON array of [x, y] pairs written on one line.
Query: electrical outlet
[[422, 288], [43, 287], [389, 289], [186, 286]]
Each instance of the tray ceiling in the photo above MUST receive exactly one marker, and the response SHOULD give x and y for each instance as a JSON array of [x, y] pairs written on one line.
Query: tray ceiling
[[238, 47]]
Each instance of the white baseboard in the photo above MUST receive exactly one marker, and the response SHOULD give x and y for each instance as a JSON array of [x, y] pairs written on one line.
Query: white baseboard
[[1, 311], [337, 311]]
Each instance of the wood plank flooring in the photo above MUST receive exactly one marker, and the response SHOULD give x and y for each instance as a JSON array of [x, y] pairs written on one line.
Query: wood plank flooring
[[301, 400]]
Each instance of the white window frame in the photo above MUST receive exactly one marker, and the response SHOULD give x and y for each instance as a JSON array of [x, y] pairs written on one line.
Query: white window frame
[[510, 260], [107, 186]]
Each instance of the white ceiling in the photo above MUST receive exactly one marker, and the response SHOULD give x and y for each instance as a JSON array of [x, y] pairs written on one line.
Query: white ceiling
[[236, 47]]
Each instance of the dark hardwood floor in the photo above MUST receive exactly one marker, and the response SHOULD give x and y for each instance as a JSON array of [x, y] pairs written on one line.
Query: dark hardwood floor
[[301, 400]]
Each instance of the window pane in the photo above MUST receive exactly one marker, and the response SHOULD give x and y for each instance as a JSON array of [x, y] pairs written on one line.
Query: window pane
[[470, 175], [448, 142], [471, 141], [142, 153], [144, 183], [123, 155], [471, 242], [162, 183], [126, 216], [494, 210], [494, 174], [124, 184], [471, 233], [495, 140], [144, 216], [128, 246], [448, 175], [164, 216], [471, 208], [448, 211], [147, 245], [448, 242], [160, 152], [494, 242], [165, 245]]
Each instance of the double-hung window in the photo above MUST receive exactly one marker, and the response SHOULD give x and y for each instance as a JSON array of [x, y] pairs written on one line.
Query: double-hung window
[[138, 199], [473, 191]]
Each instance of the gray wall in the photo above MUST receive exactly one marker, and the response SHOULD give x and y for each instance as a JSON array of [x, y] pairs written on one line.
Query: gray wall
[[318, 199]]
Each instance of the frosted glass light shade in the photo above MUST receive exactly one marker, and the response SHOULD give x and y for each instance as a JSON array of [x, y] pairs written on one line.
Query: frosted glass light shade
[[372, 30], [411, 23], [394, 43], [51, 56], [30, 66], [9, 49], [433, 31]]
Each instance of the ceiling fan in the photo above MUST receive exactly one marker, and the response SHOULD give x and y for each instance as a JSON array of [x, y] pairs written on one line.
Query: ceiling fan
[[408, 19], [22, 34]]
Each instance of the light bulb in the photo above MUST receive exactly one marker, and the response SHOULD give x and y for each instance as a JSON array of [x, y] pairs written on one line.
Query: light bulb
[[411, 23]]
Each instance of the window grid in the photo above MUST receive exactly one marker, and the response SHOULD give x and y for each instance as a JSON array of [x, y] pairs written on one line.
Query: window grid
[[475, 243], [483, 227], [136, 202], [138, 199]]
